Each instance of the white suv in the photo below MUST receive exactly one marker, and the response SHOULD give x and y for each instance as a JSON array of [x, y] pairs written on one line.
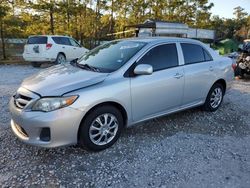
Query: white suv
[[52, 48]]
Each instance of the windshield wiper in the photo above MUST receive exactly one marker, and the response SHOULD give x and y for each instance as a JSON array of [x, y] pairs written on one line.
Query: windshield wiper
[[88, 67]]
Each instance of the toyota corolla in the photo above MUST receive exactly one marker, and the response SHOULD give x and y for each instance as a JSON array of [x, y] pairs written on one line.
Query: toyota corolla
[[118, 84]]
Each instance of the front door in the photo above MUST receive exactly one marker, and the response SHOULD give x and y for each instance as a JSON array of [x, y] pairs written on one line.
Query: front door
[[161, 91]]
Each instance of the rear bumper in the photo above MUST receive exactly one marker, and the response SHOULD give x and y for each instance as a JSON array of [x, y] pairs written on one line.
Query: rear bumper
[[62, 125], [30, 58]]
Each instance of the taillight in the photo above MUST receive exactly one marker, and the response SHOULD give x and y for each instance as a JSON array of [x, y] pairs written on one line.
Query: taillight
[[48, 46], [234, 66]]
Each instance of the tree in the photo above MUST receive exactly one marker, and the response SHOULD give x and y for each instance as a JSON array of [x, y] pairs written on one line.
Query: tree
[[47, 7], [241, 29], [3, 12]]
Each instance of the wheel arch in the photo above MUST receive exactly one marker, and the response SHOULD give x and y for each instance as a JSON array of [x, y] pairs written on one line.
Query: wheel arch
[[223, 83], [62, 54], [117, 105]]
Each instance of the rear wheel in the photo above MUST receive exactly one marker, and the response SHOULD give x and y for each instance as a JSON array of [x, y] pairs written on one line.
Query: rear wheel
[[214, 98], [101, 128], [60, 59], [36, 64]]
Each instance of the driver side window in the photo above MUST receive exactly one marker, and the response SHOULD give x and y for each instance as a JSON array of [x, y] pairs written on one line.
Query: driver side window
[[161, 57], [73, 42]]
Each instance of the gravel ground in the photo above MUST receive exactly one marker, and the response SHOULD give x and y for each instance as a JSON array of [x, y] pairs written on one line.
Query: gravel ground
[[187, 149]]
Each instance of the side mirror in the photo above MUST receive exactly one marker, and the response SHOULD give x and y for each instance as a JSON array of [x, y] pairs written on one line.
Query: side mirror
[[143, 69], [74, 60]]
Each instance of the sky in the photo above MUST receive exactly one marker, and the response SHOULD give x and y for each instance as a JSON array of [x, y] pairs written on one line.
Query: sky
[[224, 8]]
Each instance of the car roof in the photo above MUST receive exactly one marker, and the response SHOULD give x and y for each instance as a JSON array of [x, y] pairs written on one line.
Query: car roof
[[49, 36], [162, 39], [158, 40]]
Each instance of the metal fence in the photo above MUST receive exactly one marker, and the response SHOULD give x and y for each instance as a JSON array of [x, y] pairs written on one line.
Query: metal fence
[[13, 47]]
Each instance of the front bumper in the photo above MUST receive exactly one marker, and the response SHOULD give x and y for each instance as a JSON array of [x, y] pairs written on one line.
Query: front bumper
[[63, 125]]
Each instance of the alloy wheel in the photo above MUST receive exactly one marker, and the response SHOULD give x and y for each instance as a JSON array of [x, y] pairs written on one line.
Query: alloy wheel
[[216, 97], [103, 129]]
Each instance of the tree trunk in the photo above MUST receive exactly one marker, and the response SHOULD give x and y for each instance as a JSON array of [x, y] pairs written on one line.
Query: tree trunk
[[51, 14], [2, 39], [111, 23], [97, 12]]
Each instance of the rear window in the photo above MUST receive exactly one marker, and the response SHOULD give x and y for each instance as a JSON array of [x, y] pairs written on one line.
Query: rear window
[[194, 53], [37, 40]]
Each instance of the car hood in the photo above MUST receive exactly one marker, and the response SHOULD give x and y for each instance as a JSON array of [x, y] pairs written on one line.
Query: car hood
[[60, 79]]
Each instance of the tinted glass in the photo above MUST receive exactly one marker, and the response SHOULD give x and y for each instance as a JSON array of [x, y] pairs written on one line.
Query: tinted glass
[[111, 56], [61, 40], [74, 43], [207, 56], [37, 40], [57, 40], [192, 53], [161, 57]]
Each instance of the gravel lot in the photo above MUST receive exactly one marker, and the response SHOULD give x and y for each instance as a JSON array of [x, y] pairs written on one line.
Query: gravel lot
[[188, 149]]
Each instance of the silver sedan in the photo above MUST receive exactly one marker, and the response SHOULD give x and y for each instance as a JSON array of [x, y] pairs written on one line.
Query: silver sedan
[[118, 84]]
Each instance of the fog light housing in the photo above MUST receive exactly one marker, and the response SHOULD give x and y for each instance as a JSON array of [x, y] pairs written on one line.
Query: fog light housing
[[45, 134]]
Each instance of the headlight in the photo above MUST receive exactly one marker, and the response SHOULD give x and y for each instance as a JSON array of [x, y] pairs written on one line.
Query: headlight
[[52, 103]]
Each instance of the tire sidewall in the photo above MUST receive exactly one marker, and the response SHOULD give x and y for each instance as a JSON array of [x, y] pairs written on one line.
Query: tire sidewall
[[60, 54], [83, 133], [207, 104]]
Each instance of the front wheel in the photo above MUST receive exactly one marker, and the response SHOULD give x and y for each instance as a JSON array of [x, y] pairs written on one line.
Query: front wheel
[[214, 98], [101, 128]]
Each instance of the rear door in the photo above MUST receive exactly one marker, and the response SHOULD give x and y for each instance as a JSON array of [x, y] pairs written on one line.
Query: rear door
[[199, 73], [162, 90], [35, 46], [64, 45]]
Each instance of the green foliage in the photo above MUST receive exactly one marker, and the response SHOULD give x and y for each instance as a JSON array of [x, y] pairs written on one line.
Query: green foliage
[[226, 46], [91, 20]]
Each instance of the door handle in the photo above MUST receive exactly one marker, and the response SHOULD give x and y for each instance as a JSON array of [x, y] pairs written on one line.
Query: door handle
[[211, 68], [178, 75], [63, 47], [74, 48]]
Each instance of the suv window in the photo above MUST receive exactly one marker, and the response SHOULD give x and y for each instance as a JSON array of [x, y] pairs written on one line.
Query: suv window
[[73, 42], [161, 57], [37, 40], [61, 40], [194, 53]]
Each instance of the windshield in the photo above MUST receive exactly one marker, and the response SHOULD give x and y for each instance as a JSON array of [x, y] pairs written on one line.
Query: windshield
[[111, 56]]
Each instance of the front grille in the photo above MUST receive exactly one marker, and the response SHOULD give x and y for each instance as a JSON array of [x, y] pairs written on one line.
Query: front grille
[[21, 130], [21, 100]]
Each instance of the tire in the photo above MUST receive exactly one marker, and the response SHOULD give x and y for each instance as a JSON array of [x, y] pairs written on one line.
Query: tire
[[60, 59], [36, 64], [239, 72], [214, 101], [91, 131]]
